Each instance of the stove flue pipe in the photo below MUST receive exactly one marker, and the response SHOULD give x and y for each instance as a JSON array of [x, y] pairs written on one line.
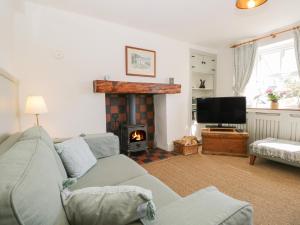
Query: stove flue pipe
[[132, 108]]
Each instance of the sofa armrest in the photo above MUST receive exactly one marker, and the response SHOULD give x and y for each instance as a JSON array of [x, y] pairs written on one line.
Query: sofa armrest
[[103, 145], [208, 207]]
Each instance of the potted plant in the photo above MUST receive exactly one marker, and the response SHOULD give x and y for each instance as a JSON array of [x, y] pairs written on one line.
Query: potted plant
[[273, 97]]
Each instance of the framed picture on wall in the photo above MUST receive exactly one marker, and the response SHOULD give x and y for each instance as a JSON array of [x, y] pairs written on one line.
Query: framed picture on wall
[[140, 62]]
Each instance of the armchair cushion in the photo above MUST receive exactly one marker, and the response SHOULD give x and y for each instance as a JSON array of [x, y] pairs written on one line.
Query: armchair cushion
[[272, 148]]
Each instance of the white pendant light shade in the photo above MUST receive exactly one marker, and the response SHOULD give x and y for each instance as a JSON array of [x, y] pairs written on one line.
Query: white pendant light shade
[[35, 105]]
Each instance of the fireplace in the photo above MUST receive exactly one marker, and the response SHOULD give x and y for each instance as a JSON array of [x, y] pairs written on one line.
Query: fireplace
[[131, 118], [134, 124], [133, 136]]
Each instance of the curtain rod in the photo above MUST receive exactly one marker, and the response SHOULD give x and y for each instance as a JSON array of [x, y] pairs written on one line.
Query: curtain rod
[[272, 35]]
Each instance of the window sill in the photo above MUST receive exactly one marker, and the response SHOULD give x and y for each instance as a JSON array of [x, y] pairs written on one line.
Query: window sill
[[279, 109]]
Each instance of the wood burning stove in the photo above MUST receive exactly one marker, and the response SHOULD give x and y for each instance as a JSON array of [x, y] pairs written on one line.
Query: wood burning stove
[[133, 137]]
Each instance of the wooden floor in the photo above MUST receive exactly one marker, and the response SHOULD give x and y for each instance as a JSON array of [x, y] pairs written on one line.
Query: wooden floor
[[272, 188]]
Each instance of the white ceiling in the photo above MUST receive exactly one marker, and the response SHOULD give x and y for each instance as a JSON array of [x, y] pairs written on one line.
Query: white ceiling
[[210, 23]]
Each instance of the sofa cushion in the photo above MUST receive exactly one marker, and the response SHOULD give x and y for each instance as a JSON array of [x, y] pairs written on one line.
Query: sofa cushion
[[103, 145], [39, 132], [76, 156], [162, 194], [9, 142], [3, 137], [110, 171], [30, 184], [208, 207]]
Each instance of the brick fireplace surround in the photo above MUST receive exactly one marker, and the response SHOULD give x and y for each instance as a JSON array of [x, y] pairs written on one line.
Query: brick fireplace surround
[[119, 101]]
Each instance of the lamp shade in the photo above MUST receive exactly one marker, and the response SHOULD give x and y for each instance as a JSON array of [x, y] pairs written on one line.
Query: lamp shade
[[248, 4], [35, 105]]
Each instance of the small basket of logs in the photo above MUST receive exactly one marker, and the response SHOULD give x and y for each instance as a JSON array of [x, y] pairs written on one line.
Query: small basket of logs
[[187, 145]]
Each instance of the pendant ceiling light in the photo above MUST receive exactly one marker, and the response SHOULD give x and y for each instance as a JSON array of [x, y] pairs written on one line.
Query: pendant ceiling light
[[249, 4]]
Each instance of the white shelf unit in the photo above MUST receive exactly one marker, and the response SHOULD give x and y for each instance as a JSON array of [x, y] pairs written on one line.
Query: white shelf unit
[[203, 67], [203, 89]]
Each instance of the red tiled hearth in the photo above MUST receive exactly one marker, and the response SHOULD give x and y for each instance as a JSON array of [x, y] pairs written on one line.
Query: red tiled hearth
[[152, 156]]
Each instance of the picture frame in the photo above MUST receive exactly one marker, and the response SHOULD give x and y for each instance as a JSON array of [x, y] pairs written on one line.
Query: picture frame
[[140, 62]]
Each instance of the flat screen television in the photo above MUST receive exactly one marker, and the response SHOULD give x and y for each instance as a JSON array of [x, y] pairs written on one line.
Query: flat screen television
[[227, 110]]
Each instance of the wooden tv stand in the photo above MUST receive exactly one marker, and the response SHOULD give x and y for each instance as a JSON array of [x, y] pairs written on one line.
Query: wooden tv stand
[[224, 141]]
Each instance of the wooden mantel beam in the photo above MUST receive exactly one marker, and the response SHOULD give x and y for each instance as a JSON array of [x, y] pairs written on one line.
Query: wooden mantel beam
[[120, 87]]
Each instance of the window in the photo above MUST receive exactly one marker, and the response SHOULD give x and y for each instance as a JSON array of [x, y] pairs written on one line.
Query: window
[[275, 67]]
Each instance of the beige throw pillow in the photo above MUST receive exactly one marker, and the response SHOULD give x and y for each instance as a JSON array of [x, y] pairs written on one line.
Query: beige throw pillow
[[110, 205]]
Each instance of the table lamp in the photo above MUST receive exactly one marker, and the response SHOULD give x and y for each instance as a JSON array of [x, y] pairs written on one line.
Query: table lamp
[[35, 105]]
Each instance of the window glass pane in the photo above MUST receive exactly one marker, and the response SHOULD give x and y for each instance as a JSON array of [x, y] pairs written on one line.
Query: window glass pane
[[289, 61], [275, 68], [269, 63]]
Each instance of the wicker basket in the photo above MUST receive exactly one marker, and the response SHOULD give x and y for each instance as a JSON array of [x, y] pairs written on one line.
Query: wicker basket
[[185, 149]]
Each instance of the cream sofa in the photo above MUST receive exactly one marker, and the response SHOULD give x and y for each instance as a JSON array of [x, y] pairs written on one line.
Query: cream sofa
[[31, 177]]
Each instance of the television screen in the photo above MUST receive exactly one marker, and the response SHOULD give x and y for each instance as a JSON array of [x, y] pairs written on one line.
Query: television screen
[[221, 110]]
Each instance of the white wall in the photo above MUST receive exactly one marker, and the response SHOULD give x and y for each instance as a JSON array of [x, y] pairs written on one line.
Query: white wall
[[90, 49], [8, 104], [225, 72], [6, 33], [160, 112]]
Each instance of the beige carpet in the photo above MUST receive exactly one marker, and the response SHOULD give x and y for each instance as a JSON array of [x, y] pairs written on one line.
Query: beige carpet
[[272, 188]]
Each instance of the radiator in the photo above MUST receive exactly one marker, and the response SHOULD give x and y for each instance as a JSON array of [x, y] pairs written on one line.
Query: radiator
[[294, 127], [265, 123], [283, 125]]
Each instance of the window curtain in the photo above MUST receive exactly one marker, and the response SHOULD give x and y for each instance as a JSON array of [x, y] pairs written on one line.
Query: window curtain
[[297, 47], [244, 58]]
